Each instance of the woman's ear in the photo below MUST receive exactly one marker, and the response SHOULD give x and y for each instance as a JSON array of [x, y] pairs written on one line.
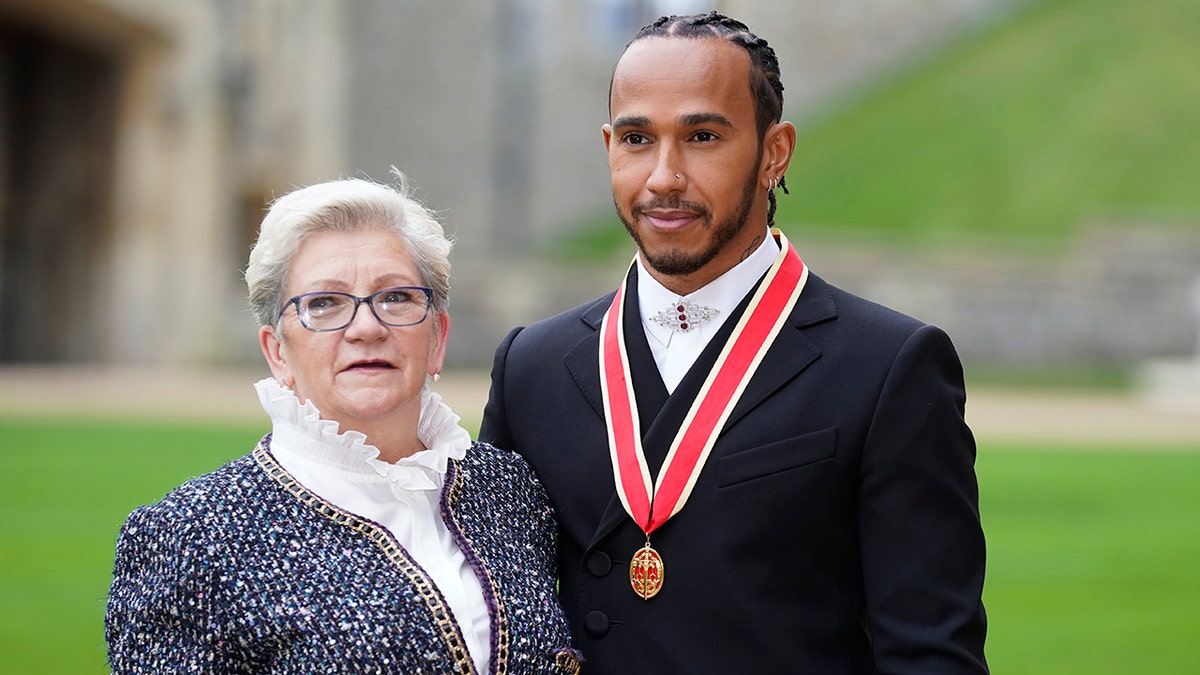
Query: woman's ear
[[275, 354], [437, 349]]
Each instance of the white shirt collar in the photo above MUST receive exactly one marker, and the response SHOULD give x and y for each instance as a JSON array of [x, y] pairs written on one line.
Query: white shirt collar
[[722, 294]]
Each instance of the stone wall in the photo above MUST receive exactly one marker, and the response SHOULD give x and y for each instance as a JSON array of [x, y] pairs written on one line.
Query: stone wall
[[494, 108], [1118, 294]]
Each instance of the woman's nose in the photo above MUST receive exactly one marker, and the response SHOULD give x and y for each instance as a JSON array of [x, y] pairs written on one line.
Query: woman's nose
[[364, 323]]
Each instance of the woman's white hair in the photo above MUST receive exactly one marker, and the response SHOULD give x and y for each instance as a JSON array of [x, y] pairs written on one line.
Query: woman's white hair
[[345, 205]]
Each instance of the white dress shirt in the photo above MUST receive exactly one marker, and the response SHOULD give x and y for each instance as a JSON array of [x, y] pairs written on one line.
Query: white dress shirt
[[675, 351], [403, 496]]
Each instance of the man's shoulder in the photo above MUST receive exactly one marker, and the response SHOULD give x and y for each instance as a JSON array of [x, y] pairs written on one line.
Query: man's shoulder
[[855, 309], [572, 324]]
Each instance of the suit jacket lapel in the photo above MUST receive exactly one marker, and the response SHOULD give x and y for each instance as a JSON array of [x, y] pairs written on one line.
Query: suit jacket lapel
[[583, 360], [584, 365], [792, 351]]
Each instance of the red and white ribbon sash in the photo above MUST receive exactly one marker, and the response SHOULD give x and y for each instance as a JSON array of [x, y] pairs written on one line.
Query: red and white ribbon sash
[[743, 352]]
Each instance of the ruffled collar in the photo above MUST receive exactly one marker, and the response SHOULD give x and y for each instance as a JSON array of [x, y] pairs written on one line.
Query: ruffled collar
[[298, 428]]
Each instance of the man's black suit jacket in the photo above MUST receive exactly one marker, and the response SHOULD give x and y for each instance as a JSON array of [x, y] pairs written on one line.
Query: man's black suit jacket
[[834, 529]]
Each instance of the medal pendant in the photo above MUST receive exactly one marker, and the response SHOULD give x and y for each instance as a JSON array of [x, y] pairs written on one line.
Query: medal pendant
[[646, 572]]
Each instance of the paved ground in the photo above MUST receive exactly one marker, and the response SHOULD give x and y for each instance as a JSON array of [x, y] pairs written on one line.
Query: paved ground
[[1087, 419]]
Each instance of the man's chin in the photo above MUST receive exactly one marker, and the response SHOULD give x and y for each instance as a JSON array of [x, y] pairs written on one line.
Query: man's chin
[[675, 262]]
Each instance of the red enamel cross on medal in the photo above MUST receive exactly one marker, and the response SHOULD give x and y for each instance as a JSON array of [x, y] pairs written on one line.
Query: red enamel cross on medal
[[646, 572]]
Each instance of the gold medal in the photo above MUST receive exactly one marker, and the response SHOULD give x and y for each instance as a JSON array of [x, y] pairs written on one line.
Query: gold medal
[[646, 572]]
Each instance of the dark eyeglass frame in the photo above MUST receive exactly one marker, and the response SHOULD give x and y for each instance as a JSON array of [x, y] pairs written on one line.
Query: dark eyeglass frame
[[369, 300]]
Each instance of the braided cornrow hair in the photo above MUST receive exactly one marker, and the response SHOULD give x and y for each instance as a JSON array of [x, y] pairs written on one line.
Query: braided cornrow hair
[[765, 84]]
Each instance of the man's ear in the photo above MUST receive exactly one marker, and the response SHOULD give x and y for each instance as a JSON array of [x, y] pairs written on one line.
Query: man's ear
[[778, 145]]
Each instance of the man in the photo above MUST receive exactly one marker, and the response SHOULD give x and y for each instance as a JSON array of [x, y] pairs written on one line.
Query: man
[[753, 471]]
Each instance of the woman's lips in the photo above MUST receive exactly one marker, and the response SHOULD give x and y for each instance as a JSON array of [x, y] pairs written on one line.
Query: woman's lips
[[370, 365]]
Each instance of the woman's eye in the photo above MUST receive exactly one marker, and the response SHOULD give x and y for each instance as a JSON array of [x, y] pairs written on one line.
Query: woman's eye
[[323, 303], [402, 296]]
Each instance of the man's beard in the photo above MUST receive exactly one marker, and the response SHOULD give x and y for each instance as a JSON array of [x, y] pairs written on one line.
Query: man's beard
[[676, 262]]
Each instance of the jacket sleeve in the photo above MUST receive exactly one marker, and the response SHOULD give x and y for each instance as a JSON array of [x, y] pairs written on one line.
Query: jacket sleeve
[[494, 428], [921, 539], [161, 615]]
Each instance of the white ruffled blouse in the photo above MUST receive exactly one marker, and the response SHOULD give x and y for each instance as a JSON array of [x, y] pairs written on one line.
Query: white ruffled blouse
[[403, 496]]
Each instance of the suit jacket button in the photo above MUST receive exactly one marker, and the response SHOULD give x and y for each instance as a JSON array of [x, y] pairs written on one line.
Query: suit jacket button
[[596, 623], [599, 564]]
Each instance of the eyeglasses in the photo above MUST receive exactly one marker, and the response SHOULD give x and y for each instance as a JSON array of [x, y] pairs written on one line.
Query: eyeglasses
[[329, 310]]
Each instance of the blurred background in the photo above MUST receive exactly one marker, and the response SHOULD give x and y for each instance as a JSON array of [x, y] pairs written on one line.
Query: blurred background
[[1023, 173]]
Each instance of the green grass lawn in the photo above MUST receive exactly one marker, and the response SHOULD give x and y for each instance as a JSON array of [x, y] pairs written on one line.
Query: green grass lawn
[[1074, 111], [1092, 555], [1092, 560], [66, 489]]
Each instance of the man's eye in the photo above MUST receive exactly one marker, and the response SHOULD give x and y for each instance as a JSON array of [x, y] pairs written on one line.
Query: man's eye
[[635, 139], [704, 136]]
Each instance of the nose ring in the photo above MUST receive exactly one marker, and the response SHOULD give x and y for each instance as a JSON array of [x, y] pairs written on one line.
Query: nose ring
[[678, 176]]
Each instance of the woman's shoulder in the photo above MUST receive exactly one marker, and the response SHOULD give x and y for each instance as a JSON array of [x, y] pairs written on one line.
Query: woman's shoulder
[[204, 497], [491, 468], [499, 500], [488, 458]]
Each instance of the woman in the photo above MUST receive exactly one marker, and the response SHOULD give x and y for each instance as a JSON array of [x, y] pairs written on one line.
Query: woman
[[366, 532]]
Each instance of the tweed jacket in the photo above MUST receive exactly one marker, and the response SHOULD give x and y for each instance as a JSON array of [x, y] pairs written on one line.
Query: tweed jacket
[[244, 570]]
